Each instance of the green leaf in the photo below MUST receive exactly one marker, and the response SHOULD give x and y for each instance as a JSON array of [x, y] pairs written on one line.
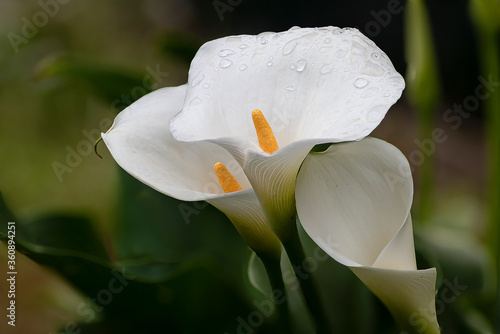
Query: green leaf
[[180, 44], [257, 275], [486, 14], [121, 293], [421, 76], [117, 86], [153, 225]]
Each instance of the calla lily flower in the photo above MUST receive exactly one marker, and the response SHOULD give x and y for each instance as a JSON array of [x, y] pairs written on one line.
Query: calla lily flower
[[354, 201], [141, 143], [313, 85]]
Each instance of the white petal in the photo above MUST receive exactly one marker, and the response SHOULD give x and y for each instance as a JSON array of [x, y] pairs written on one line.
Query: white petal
[[409, 295], [354, 198], [141, 143], [399, 253], [325, 83], [273, 180], [246, 214]]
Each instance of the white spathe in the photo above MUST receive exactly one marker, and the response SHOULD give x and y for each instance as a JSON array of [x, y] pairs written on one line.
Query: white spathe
[[354, 201], [314, 85], [141, 143]]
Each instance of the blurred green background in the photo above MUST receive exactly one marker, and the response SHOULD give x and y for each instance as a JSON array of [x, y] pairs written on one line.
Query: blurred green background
[[68, 67]]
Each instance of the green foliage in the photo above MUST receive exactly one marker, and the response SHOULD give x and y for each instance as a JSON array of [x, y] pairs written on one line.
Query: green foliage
[[104, 80], [422, 74]]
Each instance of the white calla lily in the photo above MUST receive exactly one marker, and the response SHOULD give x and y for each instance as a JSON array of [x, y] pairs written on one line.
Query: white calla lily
[[141, 143], [314, 85], [354, 201]]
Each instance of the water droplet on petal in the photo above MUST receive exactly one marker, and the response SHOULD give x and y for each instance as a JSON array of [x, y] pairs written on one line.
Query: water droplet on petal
[[294, 28], [205, 85], [243, 46], [269, 63], [376, 114], [225, 63], [292, 66], [360, 83], [225, 53], [373, 70], [290, 46], [263, 42], [290, 88], [197, 80], [301, 65], [325, 69], [397, 81], [341, 53], [195, 101], [370, 92], [243, 67]]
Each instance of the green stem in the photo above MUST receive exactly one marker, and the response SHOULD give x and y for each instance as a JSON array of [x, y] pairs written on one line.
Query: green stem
[[490, 69], [427, 169], [278, 293], [296, 254]]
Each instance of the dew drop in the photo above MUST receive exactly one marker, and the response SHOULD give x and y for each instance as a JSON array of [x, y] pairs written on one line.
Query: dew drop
[[301, 65], [197, 79], [373, 69], [292, 66], [370, 92], [243, 46], [243, 67], [290, 88], [397, 81], [195, 101], [325, 69], [290, 46], [205, 85], [294, 28], [264, 41], [340, 53], [376, 113], [225, 53], [269, 63], [225, 63], [360, 82]]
